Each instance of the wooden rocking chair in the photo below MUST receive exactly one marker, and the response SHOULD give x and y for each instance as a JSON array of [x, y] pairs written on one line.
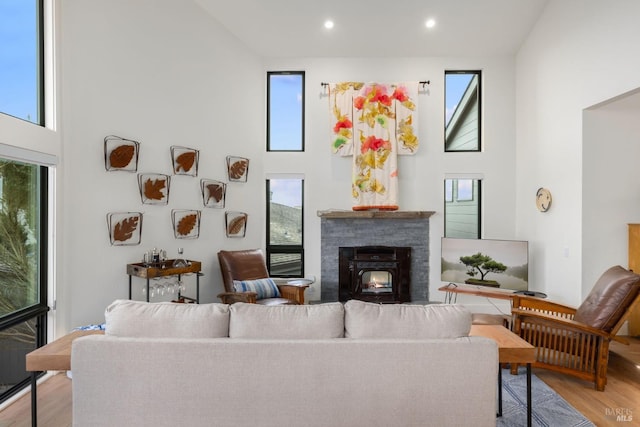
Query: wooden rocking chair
[[576, 341]]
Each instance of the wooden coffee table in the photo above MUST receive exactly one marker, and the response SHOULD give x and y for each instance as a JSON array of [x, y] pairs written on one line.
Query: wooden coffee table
[[55, 356], [511, 349]]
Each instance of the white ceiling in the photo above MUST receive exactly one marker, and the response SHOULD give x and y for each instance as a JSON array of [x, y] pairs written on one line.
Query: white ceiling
[[377, 28]]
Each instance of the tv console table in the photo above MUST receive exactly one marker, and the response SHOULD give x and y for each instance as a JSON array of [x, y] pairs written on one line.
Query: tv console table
[[453, 289]]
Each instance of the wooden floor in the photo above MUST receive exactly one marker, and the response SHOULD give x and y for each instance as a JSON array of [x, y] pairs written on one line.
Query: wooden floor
[[621, 397]]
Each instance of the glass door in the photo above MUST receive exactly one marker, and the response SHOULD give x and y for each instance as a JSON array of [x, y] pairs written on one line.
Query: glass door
[[23, 255]]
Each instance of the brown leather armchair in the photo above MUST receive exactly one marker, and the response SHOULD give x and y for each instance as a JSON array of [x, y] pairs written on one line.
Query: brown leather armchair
[[576, 341], [250, 265]]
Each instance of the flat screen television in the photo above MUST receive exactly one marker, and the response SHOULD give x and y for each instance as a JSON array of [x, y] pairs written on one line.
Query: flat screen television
[[500, 264]]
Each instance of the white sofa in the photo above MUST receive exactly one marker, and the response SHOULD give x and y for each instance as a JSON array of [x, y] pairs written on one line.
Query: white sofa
[[357, 364]]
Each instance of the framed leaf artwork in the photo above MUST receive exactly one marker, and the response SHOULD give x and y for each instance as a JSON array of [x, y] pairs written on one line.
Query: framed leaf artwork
[[237, 168], [120, 154], [213, 193], [154, 188], [235, 224], [186, 223], [125, 228], [185, 160]]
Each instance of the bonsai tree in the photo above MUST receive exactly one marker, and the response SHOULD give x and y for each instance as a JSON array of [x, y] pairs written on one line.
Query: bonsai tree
[[483, 264]]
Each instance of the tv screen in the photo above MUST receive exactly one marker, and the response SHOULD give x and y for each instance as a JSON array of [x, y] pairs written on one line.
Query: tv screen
[[500, 264]]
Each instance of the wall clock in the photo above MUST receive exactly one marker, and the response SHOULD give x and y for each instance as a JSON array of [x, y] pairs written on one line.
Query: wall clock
[[543, 199]]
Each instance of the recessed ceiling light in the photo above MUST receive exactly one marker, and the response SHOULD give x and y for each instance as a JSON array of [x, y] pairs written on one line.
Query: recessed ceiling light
[[430, 23], [328, 24]]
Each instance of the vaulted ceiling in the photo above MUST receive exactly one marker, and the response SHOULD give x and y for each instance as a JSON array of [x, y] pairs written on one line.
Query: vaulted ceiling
[[377, 28]]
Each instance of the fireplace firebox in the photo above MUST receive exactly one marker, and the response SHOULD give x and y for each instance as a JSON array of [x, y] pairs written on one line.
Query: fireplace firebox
[[375, 273]]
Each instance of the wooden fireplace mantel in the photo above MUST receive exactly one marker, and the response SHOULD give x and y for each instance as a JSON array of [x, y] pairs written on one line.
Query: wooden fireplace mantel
[[345, 214]]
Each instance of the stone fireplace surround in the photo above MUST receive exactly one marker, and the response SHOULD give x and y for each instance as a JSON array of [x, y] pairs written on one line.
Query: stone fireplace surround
[[374, 228]]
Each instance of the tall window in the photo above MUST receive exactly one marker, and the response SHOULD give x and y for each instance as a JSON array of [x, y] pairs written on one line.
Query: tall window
[[23, 269], [21, 60], [462, 111], [285, 111], [462, 208], [285, 250]]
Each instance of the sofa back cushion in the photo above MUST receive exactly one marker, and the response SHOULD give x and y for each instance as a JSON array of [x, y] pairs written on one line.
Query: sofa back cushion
[[286, 321], [369, 320], [126, 318], [610, 297]]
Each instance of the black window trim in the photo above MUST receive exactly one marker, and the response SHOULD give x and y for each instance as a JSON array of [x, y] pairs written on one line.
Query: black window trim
[[287, 249], [479, 74], [269, 74]]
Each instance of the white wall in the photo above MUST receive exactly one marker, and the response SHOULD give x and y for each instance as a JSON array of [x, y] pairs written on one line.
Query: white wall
[[163, 73], [611, 195], [421, 177], [580, 53]]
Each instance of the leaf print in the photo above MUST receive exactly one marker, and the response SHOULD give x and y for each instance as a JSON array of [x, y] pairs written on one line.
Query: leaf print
[[153, 189], [236, 224], [238, 169], [186, 224], [125, 229], [185, 161], [121, 156], [215, 192]]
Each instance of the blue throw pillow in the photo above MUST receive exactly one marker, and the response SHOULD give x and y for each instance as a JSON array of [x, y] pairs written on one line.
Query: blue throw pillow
[[265, 288]]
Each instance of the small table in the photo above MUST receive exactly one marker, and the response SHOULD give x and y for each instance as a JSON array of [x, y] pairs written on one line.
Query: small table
[[55, 356], [164, 269], [511, 349]]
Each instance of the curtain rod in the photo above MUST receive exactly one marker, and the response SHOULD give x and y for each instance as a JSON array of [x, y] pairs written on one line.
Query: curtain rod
[[423, 83]]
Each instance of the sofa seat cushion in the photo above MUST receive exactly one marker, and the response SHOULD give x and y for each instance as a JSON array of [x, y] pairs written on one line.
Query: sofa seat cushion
[[407, 321], [264, 288], [126, 318], [257, 321]]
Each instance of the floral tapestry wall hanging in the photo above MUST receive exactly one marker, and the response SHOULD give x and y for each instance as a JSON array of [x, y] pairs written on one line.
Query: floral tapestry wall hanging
[[373, 123]]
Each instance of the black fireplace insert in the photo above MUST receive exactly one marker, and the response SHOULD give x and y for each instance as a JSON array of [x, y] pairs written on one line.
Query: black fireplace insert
[[375, 273]]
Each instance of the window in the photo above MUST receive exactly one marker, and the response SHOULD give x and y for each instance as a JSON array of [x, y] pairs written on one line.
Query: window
[[462, 208], [462, 111], [21, 60], [23, 269], [285, 250], [285, 111]]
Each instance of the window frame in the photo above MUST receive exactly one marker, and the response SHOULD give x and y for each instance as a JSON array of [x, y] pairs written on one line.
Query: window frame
[[475, 197], [272, 249], [478, 73], [302, 118], [40, 68]]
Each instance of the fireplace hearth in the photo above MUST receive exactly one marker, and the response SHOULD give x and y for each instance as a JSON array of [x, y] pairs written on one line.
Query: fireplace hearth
[[379, 274]]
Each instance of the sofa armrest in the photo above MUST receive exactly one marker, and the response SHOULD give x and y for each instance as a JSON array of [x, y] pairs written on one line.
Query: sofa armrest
[[233, 297]]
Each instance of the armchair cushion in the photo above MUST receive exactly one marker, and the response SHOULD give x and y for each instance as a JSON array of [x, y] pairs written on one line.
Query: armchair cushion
[[264, 288], [610, 297]]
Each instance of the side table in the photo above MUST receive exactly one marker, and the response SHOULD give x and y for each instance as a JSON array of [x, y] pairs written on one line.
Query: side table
[[55, 356], [511, 349], [164, 269]]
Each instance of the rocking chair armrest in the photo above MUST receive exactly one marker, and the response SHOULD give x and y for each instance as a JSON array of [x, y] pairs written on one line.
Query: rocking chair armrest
[[530, 303], [233, 297], [293, 292], [556, 321]]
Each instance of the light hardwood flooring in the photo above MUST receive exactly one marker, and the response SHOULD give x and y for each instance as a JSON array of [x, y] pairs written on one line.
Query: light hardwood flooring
[[622, 394]]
